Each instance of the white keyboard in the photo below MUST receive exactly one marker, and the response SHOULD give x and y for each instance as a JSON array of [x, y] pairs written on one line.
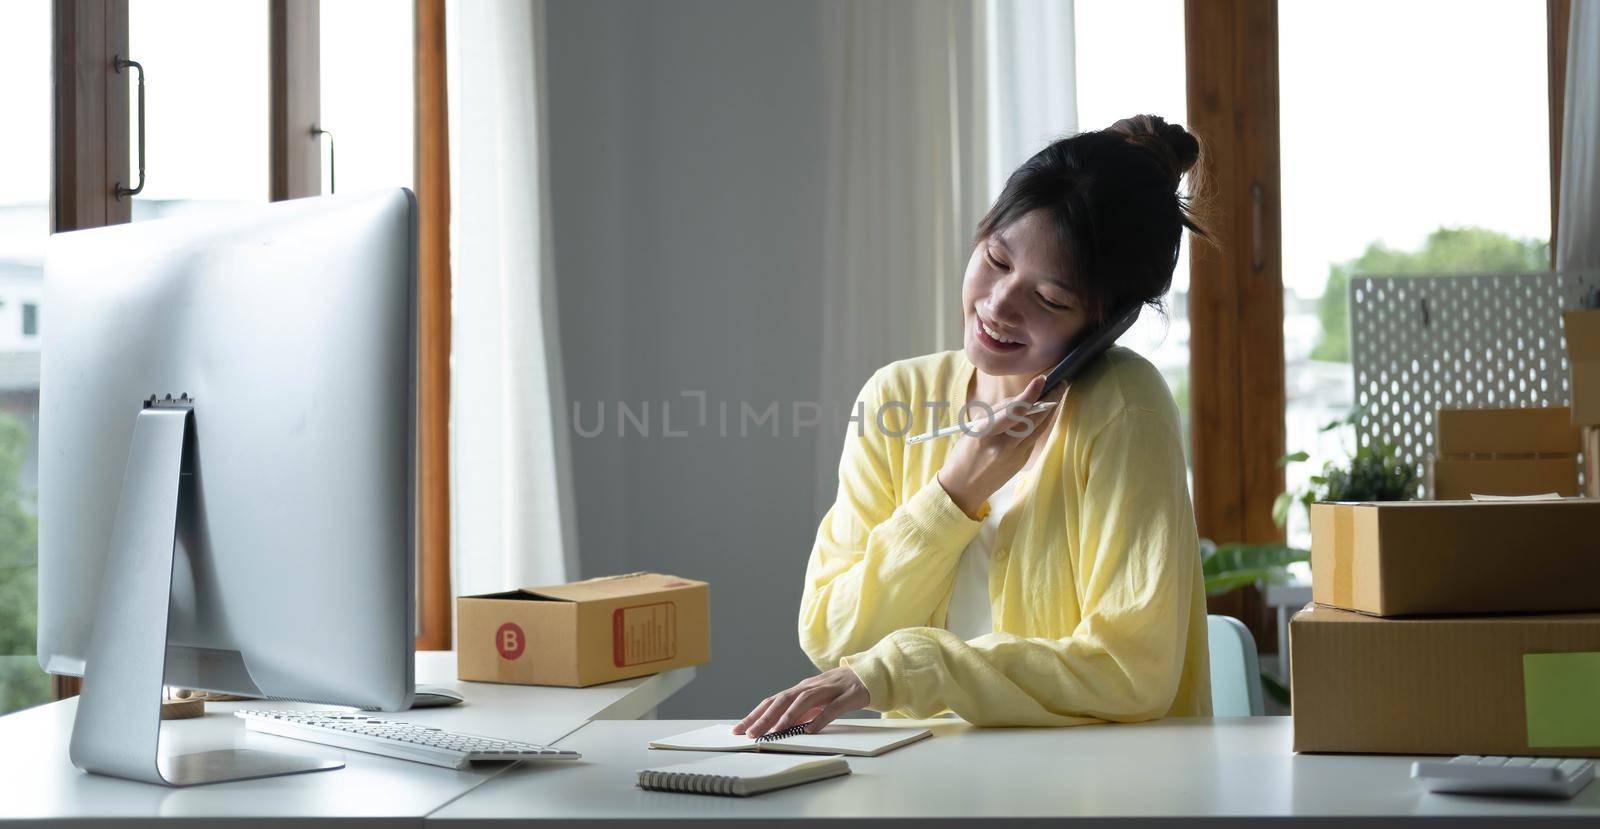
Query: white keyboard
[[1526, 776], [391, 738]]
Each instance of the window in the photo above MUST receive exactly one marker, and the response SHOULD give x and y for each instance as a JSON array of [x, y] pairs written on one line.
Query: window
[[207, 144], [1404, 150], [367, 65], [24, 225], [206, 104], [1107, 87]]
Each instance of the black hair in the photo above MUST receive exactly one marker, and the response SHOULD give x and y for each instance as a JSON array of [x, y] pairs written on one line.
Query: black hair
[[1113, 197]]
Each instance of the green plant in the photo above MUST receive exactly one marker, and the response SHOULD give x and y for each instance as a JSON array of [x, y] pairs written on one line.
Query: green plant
[[1374, 474], [1229, 566], [1274, 687], [21, 681]]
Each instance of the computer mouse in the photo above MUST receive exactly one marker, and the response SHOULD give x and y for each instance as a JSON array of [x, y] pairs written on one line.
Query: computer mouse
[[433, 696]]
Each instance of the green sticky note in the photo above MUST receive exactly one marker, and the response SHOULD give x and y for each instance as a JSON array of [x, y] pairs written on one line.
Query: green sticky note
[[1562, 691]]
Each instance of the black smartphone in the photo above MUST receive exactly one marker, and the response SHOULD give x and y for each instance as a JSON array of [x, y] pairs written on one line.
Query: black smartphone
[[1091, 346]]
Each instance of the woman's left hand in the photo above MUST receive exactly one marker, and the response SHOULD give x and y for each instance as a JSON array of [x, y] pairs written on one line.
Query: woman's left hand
[[819, 700]]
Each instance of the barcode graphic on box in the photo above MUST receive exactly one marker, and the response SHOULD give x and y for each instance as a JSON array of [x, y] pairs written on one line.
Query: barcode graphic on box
[[644, 633]]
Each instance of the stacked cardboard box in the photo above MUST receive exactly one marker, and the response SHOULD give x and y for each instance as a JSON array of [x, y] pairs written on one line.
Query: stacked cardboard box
[[1397, 654], [1582, 329], [1504, 452], [1591, 461]]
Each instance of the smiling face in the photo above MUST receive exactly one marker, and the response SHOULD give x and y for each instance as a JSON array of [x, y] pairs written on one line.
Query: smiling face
[[1019, 310]]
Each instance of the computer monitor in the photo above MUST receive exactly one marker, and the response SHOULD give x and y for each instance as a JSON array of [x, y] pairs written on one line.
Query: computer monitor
[[286, 336]]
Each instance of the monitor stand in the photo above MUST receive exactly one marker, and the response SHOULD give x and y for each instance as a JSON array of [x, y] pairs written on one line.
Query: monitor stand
[[118, 725]]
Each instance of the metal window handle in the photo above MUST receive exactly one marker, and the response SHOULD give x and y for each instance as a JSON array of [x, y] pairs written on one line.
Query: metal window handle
[[1258, 259], [122, 63], [333, 172]]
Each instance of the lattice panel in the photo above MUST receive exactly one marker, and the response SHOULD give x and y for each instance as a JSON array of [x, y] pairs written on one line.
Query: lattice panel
[[1480, 341]]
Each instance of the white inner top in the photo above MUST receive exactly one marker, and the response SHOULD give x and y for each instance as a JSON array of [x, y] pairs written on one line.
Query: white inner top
[[970, 615]]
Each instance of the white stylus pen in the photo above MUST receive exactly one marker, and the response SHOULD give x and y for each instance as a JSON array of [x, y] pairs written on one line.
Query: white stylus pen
[[960, 427]]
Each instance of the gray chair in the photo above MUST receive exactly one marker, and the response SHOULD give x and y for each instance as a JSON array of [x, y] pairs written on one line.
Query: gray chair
[[1235, 670]]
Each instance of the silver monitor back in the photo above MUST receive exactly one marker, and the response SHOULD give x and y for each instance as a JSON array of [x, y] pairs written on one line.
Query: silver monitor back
[[293, 325]]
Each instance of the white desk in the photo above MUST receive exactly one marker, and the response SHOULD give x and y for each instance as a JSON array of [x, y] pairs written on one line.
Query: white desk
[[38, 783], [1224, 771], [536, 714]]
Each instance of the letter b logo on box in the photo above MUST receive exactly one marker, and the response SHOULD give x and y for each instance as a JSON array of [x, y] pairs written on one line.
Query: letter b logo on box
[[510, 641]]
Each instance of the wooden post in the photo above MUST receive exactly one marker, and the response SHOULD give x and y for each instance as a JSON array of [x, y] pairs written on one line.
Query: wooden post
[[89, 101], [433, 364], [1236, 289], [294, 89], [1558, 22]]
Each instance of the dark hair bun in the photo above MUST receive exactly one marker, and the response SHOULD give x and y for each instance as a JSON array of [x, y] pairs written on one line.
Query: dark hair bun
[[1172, 145]]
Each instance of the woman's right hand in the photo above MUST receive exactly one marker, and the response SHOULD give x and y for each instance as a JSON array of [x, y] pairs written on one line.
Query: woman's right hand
[[988, 454]]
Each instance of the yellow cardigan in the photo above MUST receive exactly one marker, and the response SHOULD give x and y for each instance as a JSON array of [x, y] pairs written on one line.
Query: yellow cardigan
[[1094, 582]]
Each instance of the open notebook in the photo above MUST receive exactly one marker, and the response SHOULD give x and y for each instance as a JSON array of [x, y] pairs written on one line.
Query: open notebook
[[853, 740], [741, 775]]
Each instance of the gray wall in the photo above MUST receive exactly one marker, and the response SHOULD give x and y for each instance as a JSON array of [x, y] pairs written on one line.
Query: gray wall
[[687, 146]]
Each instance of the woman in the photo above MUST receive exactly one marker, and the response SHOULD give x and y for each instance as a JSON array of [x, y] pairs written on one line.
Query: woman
[[1038, 569]]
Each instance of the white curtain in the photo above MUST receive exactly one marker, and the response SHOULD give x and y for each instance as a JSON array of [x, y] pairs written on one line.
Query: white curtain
[[511, 519], [905, 179], [930, 104], [1578, 226], [1033, 93]]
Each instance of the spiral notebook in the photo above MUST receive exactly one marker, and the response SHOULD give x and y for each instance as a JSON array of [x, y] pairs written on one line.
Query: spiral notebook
[[741, 775], [852, 740]]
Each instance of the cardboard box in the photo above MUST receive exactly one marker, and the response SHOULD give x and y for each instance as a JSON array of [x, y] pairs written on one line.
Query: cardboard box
[[1510, 685], [1461, 478], [584, 633], [1582, 330], [1418, 557], [1504, 452], [1591, 461], [1547, 431]]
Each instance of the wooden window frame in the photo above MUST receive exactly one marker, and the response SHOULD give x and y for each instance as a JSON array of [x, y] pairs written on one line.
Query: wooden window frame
[[296, 171], [89, 135], [1236, 289], [1236, 362], [433, 298], [89, 157], [87, 97], [1558, 23], [294, 99], [1236, 310]]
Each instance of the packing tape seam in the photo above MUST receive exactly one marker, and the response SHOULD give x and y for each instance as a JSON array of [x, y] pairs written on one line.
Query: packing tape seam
[[1343, 555]]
